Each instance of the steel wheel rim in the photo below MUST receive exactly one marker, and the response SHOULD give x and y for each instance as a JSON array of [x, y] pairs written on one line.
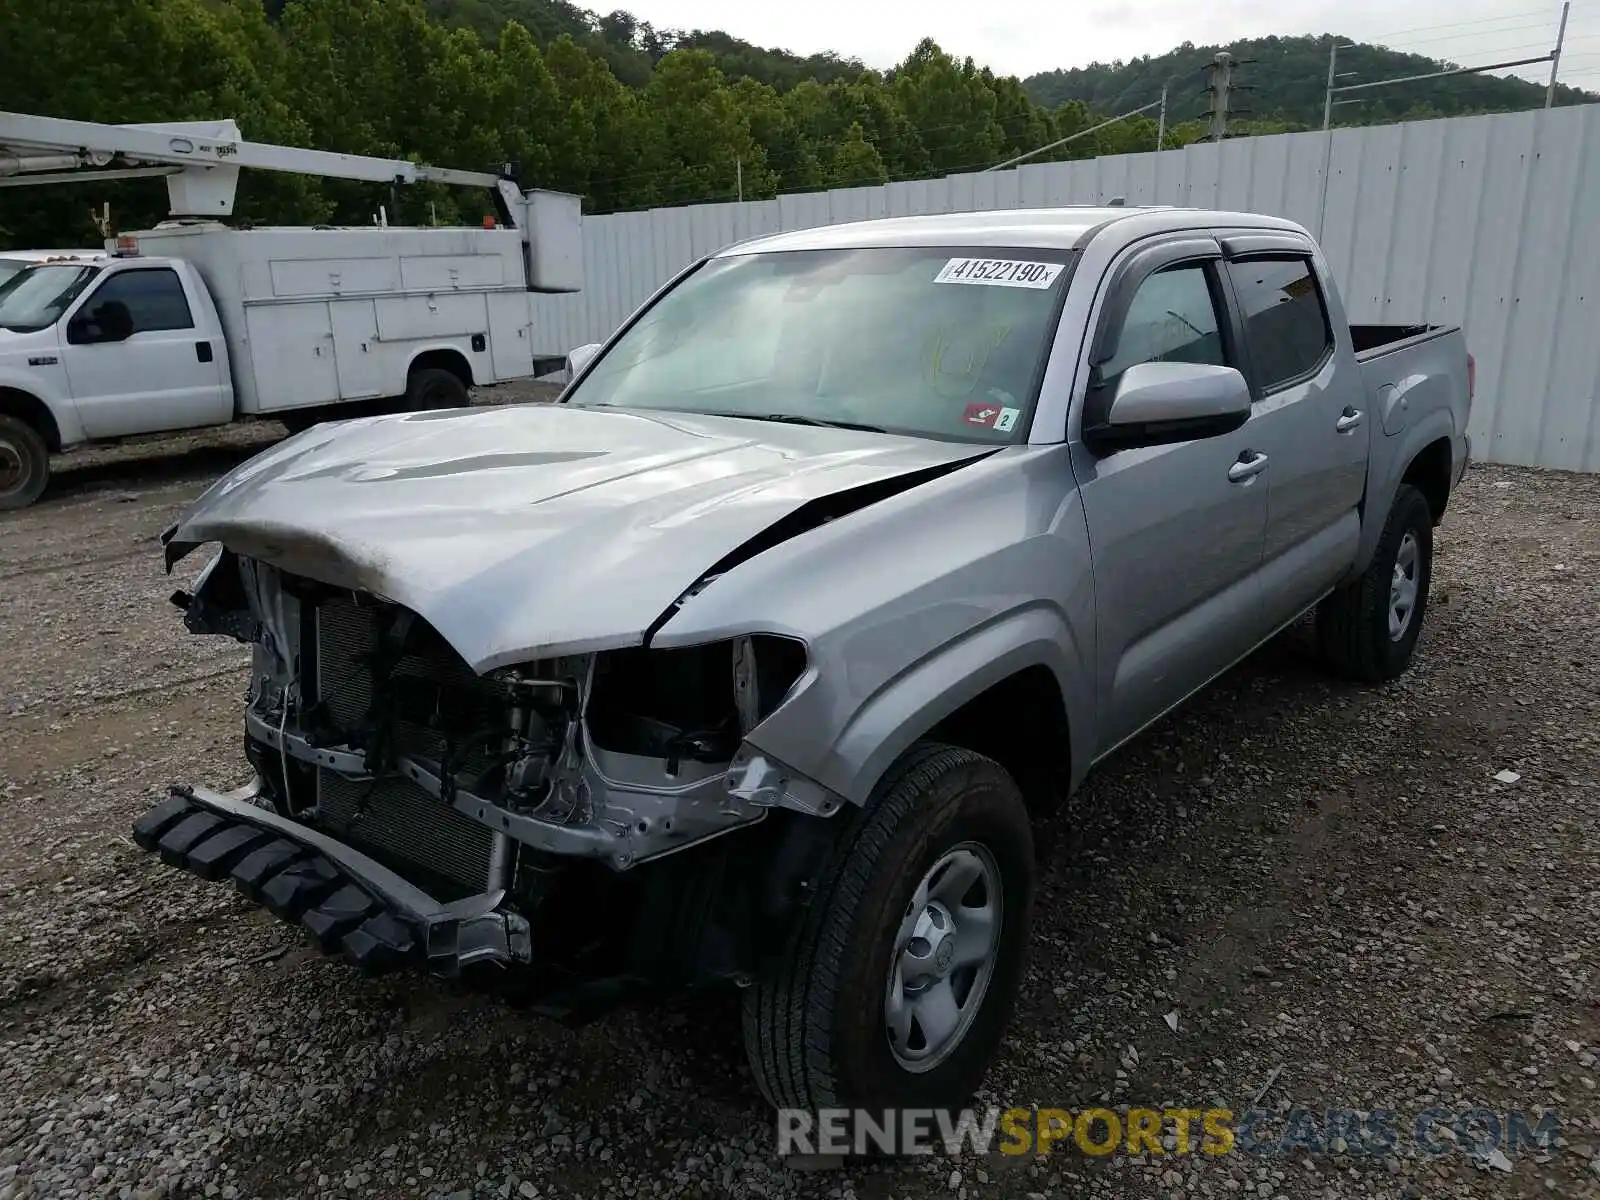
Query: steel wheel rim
[[943, 957], [13, 468], [1405, 582]]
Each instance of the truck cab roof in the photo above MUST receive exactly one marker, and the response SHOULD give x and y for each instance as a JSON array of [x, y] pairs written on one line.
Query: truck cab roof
[[1068, 227]]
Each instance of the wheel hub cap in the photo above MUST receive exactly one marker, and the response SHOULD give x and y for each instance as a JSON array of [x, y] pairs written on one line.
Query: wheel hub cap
[[943, 956], [1404, 585]]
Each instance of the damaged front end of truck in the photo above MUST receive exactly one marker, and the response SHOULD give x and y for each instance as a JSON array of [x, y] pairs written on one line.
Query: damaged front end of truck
[[502, 722], [410, 812]]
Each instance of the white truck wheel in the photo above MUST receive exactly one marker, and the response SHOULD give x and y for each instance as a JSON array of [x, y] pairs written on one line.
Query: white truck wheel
[[24, 464]]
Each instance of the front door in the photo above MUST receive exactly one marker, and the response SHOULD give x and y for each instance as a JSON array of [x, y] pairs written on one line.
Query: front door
[[164, 375], [1176, 531]]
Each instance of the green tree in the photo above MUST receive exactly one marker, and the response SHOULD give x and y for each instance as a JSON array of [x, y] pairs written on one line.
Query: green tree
[[174, 60], [951, 108], [855, 161], [790, 155], [702, 144], [610, 133]]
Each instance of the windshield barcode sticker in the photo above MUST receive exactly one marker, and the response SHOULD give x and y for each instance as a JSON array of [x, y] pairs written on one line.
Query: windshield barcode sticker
[[999, 272]]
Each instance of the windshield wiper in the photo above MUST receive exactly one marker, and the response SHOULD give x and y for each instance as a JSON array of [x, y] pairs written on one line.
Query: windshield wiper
[[797, 419]]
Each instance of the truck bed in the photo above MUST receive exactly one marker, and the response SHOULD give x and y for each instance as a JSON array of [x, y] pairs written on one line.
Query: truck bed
[[1411, 370], [1374, 341]]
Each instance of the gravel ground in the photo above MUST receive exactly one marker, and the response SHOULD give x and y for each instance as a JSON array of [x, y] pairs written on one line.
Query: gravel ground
[[1326, 885]]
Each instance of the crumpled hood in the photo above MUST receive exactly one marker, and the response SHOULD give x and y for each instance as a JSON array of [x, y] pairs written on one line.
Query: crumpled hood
[[527, 531]]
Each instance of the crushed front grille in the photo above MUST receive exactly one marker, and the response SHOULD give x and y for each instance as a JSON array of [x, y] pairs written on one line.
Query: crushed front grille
[[392, 818]]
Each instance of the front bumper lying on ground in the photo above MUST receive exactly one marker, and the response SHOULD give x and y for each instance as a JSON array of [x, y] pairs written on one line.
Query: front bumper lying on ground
[[351, 904]]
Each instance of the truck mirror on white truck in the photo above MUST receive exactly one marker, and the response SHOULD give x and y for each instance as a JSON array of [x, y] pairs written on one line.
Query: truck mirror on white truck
[[580, 358]]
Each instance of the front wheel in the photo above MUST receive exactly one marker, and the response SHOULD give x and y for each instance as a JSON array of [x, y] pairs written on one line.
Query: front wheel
[[1368, 629], [24, 464], [900, 977]]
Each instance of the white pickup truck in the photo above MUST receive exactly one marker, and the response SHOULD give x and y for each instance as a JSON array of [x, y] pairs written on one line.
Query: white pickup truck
[[194, 323]]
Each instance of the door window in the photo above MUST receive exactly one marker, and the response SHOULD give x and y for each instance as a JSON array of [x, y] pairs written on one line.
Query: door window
[[153, 297], [1172, 318], [1286, 321]]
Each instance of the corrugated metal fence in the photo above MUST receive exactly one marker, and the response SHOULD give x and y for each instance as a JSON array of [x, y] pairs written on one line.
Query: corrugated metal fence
[[1490, 222]]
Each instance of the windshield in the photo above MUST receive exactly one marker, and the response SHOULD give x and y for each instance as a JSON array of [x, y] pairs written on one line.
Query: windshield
[[941, 343], [35, 298], [9, 268]]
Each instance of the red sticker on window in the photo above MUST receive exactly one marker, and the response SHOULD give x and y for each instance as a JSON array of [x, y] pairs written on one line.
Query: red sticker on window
[[981, 414]]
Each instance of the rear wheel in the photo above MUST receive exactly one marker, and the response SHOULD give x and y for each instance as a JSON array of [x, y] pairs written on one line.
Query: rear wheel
[[24, 464], [433, 387], [299, 422], [897, 985], [1368, 629]]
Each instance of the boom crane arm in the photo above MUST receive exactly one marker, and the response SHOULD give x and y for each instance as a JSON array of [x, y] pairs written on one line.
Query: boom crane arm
[[201, 160]]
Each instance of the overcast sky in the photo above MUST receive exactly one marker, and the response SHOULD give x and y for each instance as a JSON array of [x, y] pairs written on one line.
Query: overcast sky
[[1021, 37]]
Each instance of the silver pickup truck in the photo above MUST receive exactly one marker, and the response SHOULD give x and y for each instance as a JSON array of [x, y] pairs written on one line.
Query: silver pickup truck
[[752, 659]]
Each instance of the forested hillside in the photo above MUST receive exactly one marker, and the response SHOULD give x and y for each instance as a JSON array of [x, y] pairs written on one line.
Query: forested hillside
[[606, 106], [1287, 80], [389, 77]]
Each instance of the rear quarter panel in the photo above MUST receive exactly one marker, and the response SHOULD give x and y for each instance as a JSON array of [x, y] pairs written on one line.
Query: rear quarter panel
[[1419, 393]]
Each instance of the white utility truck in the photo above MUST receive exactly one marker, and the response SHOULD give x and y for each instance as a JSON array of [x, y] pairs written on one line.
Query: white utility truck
[[195, 323], [12, 261]]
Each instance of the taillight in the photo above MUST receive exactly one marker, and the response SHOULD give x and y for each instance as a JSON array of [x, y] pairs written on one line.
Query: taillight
[[1472, 377]]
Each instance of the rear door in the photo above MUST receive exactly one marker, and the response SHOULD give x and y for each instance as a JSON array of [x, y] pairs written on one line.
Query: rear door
[[1176, 530], [165, 375], [1312, 427]]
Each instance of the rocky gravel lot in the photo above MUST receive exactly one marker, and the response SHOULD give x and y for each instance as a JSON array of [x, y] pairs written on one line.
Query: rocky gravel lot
[[1326, 889]]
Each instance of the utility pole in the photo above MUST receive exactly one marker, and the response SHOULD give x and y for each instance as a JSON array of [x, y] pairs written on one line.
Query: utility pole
[[1161, 122], [1219, 85], [1334, 87], [738, 174], [1333, 69], [1555, 56]]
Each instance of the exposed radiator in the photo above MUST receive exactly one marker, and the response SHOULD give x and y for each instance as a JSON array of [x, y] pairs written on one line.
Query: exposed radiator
[[392, 818]]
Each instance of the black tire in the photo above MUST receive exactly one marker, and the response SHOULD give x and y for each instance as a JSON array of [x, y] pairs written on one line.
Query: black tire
[[429, 388], [815, 1028], [1353, 625], [299, 422], [24, 464]]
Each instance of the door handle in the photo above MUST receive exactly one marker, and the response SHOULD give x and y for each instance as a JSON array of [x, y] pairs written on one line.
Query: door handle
[[1351, 418], [1251, 463], [202, 351]]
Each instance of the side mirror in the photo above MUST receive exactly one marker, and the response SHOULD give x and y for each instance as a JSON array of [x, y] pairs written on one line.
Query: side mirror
[[1158, 403], [581, 358]]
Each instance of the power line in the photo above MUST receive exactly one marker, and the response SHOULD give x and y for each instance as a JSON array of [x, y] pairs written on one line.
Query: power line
[[1454, 37], [1553, 57], [1463, 24], [779, 161]]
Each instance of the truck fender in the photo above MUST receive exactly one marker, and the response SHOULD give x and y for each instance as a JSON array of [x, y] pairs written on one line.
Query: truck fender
[[1391, 459], [448, 356], [886, 724], [23, 395]]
